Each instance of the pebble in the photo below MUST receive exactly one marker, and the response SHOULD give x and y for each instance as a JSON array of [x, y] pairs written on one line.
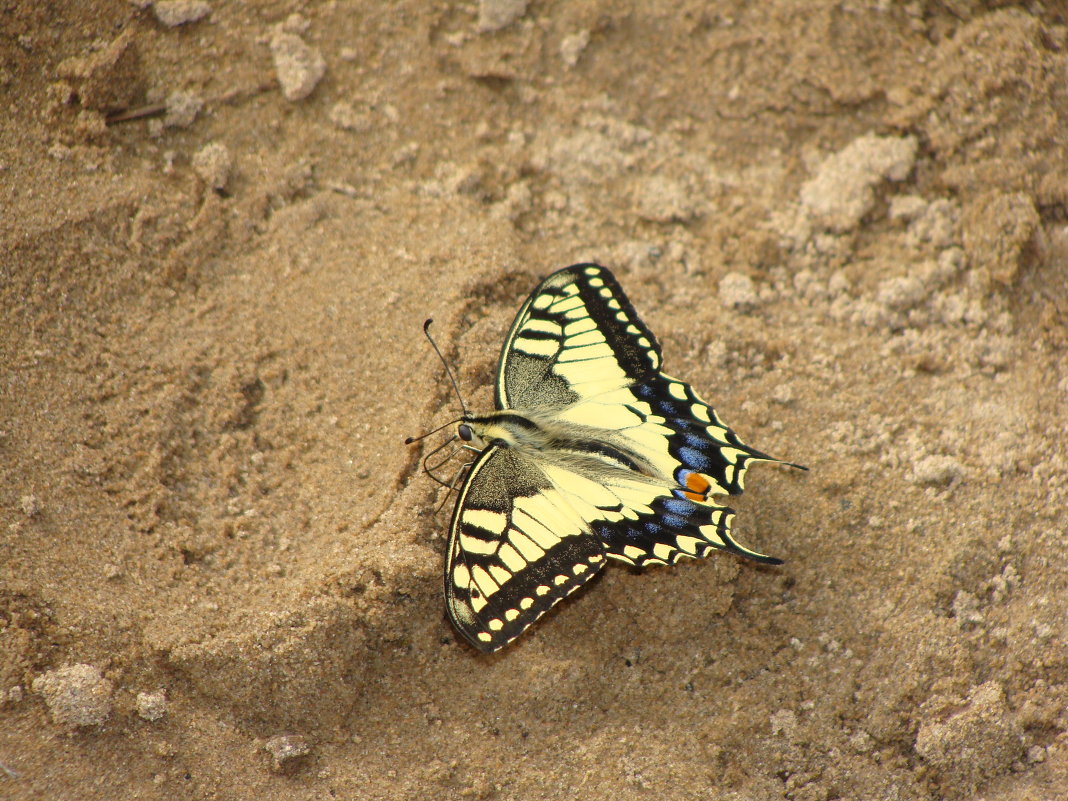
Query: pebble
[[76, 696], [173, 13], [298, 66], [493, 15]]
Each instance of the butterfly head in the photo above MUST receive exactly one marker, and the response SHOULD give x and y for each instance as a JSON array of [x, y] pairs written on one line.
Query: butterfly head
[[465, 432], [506, 429], [475, 432]]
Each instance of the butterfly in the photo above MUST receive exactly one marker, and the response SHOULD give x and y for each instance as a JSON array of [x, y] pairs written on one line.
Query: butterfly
[[591, 454]]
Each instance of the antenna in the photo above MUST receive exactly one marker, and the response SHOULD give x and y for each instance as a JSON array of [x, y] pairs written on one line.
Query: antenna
[[410, 440], [452, 378]]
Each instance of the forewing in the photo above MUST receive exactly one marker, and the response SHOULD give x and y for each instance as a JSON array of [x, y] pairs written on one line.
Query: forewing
[[516, 548], [576, 336]]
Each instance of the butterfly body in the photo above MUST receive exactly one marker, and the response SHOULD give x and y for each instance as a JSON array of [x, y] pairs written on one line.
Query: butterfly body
[[591, 454]]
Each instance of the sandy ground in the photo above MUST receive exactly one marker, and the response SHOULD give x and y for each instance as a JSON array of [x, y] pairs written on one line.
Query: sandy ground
[[846, 222]]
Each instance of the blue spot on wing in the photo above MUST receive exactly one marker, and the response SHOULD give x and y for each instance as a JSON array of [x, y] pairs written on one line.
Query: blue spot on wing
[[671, 516], [694, 439], [673, 521], [679, 506], [694, 459]]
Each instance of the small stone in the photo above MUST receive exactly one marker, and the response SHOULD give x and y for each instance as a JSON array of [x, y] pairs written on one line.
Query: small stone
[[571, 47], [288, 752], [347, 118], [76, 696], [182, 109], [861, 742], [901, 293], [937, 471], [493, 15], [173, 13], [737, 290], [664, 200], [937, 224], [1036, 754], [907, 207], [841, 192], [60, 152], [783, 394], [212, 163], [298, 66], [152, 706], [966, 610], [295, 23], [30, 505], [517, 202]]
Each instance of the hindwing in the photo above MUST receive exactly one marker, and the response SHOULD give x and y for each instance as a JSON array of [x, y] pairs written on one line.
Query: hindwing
[[516, 548]]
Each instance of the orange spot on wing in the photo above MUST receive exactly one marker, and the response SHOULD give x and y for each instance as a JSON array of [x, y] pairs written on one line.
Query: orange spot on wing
[[698, 487]]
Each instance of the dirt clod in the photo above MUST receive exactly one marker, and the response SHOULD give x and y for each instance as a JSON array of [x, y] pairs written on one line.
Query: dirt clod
[[76, 696]]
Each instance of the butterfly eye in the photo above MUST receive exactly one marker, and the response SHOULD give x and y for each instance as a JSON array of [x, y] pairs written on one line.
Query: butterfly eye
[[464, 430]]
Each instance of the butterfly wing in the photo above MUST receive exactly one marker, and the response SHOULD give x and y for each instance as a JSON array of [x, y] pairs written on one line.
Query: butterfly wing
[[516, 548], [576, 336], [580, 360]]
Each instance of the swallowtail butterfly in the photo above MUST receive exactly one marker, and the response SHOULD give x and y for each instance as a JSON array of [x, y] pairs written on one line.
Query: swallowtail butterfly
[[591, 454]]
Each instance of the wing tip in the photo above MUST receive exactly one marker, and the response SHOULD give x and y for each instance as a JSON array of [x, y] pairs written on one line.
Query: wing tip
[[764, 559], [731, 546]]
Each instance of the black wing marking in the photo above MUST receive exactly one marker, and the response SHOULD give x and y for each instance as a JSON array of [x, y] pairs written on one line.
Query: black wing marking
[[516, 548], [698, 440], [575, 336], [674, 526]]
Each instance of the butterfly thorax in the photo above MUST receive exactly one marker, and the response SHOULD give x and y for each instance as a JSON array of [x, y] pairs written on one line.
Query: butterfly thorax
[[542, 434]]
